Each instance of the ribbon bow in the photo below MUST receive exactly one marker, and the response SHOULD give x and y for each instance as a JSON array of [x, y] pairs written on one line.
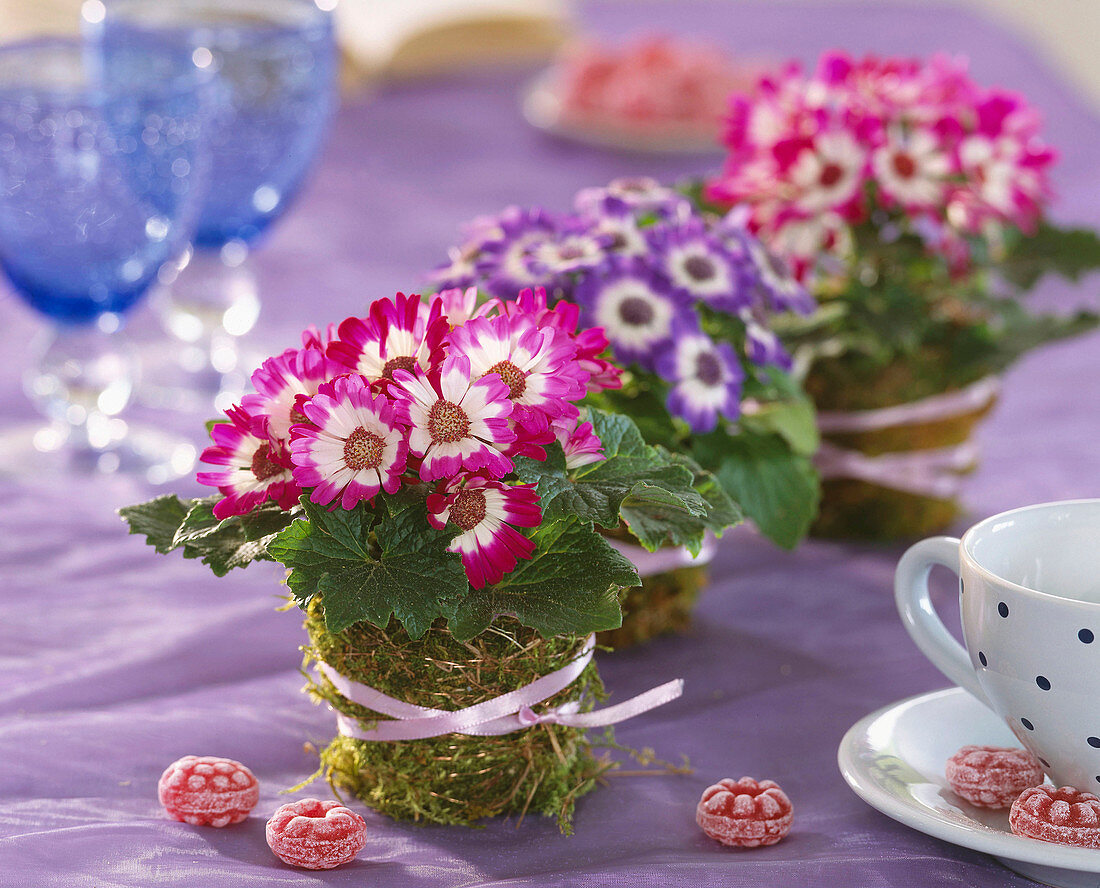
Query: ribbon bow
[[500, 715]]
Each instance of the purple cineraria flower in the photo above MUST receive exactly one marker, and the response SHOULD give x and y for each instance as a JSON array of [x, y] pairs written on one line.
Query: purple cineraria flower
[[705, 378], [576, 248], [641, 195], [620, 232], [762, 345], [781, 288], [635, 306], [697, 265], [507, 264]]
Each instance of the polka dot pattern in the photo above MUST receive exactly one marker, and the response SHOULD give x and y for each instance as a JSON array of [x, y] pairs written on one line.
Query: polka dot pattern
[[1043, 682], [1027, 724], [1002, 609], [1086, 636]]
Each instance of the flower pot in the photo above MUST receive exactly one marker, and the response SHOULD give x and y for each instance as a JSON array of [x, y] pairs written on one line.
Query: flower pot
[[672, 580], [454, 778], [895, 472]]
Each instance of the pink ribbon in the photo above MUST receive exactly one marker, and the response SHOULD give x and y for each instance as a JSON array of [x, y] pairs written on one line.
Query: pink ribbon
[[500, 715]]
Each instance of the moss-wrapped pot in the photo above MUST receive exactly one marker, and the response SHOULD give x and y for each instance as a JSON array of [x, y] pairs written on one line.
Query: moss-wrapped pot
[[926, 424], [672, 581], [455, 778]]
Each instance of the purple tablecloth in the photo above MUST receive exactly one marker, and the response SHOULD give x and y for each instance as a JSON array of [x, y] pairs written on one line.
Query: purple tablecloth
[[114, 662]]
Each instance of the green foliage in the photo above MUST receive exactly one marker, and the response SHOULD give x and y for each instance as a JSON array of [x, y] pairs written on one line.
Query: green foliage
[[371, 566], [595, 492], [901, 326], [570, 586], [776, 487], [169, 523]]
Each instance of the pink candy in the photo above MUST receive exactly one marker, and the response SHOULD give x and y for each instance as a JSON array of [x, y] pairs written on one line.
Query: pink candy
[[1065, 815], [744, 813], [208, 791], [992, 776], [316, 835]]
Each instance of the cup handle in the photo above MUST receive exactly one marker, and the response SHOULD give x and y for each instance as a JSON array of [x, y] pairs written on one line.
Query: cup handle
[[920, 618]]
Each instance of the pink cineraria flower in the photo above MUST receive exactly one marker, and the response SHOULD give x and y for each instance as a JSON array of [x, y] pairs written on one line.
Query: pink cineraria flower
[[352, 447], [487, 512], [458, 305], [278, 383], [911, 169], [254, 468], [538, 366], [579, 442], [828, 173], [396, 334], [457, 423]]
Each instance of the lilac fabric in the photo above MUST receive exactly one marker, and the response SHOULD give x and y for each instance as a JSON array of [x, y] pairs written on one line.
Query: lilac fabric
[[115, 661]]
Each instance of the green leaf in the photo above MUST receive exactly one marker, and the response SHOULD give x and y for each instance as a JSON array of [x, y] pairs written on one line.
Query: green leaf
[[655, 525], [1068, 252], [371, 566], [595, 492], [237, 541], [570, 586], [156, 520], [777, 488]]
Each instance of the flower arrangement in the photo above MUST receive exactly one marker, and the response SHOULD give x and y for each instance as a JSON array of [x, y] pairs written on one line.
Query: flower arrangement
[[686, 300], [912, 201], [426, 477]]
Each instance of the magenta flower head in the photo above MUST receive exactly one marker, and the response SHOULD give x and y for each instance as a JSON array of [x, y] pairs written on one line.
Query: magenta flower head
[[397, 334], [254, 468], [278, 383], [538, 366], [352, 446], [487, 513], [457, 423]]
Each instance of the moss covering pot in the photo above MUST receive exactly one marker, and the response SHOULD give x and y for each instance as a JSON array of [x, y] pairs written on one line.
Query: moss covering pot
[[894, 470], [455, 778]]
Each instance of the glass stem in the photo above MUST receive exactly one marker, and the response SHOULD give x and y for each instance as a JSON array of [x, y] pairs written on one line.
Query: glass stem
[[81, 379]]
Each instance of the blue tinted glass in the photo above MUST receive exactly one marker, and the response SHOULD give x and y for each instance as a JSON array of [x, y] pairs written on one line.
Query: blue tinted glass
[[100, 177], [275, 71]]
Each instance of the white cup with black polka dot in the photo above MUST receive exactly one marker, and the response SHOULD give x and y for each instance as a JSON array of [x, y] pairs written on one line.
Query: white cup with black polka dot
[[1029, 596]]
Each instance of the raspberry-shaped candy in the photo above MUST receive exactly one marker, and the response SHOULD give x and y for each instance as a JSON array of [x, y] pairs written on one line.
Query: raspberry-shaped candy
[[744, 813], [316, 835], [1064, 815], [208, 791], [992, 776]]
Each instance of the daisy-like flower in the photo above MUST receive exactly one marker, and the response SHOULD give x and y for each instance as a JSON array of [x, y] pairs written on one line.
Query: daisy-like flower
[[507, 264], [911, 169], [619, 232], [253, 469], [487, 512], [774, 276], [762, 346], [697, 265], [828, 174], [352, 447], [639, 194], [458, 423], [458, 305], [578, 440], [576, 248], [396, 334], [537, 365], [634, 305], [278, 383], [706, 379]]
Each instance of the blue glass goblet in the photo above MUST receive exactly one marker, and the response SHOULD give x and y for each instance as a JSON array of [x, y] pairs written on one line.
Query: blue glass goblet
[[101, 176], [275, 66]]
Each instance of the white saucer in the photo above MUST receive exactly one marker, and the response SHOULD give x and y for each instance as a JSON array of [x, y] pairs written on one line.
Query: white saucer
[[894, 760], [543, 110]]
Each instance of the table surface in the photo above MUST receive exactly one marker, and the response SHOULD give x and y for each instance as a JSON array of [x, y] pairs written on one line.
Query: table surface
[[115, 661]]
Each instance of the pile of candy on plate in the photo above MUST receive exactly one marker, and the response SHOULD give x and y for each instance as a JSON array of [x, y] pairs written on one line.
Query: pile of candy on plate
[[655, 84], [999, 777]]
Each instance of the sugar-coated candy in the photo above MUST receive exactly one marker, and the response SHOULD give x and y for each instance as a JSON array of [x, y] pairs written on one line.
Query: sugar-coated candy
[[316, 835], [992, 776], [208, 791], [744, 813], [1064, 815]]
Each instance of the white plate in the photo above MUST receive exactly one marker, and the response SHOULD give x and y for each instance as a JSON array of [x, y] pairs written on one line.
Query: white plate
[[543, 110], [894, 760]]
